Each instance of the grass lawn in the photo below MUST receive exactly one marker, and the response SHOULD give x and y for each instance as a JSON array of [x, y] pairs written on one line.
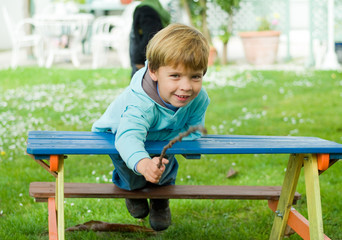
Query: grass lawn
[[296, 103]]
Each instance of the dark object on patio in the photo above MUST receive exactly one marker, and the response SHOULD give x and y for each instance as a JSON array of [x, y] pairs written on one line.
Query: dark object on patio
[[338, 50]]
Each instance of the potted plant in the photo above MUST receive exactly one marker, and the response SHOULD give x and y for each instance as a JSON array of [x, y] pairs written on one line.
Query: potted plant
[[261, 46], [125, 1]]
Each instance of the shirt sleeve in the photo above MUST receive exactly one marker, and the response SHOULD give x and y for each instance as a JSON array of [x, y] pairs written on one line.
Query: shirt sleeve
[[131, 135]]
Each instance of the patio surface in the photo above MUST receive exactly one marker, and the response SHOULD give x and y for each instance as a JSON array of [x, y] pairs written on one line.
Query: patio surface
[[61, 62], [113, 61]]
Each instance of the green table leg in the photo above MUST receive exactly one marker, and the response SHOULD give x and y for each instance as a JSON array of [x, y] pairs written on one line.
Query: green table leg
[[313, 197], [286, 197]]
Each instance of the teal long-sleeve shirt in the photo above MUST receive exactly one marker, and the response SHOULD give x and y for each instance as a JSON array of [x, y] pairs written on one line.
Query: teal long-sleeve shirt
[[134, 117]]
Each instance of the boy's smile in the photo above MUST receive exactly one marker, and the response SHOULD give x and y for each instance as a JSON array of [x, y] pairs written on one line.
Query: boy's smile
[[177, 85]]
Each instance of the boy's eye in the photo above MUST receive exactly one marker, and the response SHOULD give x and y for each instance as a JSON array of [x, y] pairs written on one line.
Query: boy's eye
[[174, 75], [197, 77]]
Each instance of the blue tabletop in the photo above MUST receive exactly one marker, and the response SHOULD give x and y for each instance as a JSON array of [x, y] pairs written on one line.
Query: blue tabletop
[[69, 142]]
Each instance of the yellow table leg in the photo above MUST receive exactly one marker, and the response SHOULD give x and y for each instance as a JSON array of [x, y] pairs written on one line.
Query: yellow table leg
[[286, 197], [313, 197], [60, 199]]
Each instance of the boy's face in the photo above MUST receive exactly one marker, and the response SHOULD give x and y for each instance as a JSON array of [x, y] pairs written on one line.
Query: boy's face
[[177, 85]]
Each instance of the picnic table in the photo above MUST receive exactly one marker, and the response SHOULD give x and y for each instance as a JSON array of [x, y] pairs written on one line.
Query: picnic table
[[50, 149]]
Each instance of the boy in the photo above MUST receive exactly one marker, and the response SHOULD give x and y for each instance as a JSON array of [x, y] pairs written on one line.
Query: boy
[[164, 99]]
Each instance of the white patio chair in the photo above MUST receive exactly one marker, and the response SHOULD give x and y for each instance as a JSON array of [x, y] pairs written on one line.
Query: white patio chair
[[63, 36], [112, 32], [21, 39]]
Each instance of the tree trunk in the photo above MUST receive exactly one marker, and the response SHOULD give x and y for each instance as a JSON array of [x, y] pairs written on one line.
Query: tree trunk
[[224, 54], [225, 44], [186, 7], [205, 29]]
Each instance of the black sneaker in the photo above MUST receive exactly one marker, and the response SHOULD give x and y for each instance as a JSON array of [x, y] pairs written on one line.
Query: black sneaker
[[160, 214], [138, 208]]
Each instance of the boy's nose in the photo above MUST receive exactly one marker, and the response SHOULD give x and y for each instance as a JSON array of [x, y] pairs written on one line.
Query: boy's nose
[[185, 84]]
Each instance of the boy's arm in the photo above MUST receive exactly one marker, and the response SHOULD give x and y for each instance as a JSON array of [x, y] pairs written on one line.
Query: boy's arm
[[131, 135], [129, 141]]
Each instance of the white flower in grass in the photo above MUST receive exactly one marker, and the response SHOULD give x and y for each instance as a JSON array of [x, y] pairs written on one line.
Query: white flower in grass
[[294, 131], [281, 90], [237, 122], [72, 204], [188, 177], [233, 163], [89, 211], [20, 194], [264, 98], [248, 116], [20, 204], [104, 178], [93, 172], [1, 212], [214, 129]]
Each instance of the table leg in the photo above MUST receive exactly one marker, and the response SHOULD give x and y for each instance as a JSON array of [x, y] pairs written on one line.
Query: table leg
[[286, 197], [60, 198], [313, 197], [52, 219]]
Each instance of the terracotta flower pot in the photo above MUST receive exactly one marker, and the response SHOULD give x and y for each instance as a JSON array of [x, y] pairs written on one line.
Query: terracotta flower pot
[[260, 47], [125, 1], [212, 56]]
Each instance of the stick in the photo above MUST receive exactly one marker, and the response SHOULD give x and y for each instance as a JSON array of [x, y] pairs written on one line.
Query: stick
[[178, 139]]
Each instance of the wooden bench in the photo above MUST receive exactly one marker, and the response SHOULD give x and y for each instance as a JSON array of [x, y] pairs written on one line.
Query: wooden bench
[[50, 149], [41, 191]]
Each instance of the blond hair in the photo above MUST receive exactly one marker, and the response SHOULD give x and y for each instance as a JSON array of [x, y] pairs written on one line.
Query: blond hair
[[178, 44]]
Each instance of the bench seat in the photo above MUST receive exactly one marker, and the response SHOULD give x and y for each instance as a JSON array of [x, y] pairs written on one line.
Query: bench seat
[[41, 191]]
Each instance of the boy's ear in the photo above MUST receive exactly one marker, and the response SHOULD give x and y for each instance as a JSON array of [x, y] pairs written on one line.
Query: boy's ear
[[152, 74]]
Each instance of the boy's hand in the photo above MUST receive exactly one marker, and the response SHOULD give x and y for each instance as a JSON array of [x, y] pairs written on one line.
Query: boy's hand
[[149, 169]]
